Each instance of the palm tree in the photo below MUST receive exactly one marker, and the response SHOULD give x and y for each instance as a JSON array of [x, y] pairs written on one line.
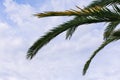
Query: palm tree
[[98, 11]]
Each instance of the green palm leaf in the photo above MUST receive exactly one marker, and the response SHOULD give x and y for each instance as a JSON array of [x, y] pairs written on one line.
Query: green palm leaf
[[109, 29], [103, 12], [104, 15], [98, 11], [70, 32], [53, 33], [56, 31], [86, 66], [115, 35]]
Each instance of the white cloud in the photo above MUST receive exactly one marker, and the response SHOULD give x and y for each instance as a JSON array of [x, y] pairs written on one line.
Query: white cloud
[[8, 37], [3, 26], [18, 13]]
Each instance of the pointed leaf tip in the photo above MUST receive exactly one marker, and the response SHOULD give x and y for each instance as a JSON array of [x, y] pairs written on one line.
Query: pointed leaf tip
[[86, 66]]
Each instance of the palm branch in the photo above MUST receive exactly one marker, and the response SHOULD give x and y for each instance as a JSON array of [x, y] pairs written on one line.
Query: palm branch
[[110, 28], [115, 35], [98, 11], [95, 5], [95, 16]]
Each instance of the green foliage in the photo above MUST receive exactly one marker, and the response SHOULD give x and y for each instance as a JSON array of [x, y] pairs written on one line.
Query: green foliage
[[70, 32], [98, 11], [109, 29], [106, 42]]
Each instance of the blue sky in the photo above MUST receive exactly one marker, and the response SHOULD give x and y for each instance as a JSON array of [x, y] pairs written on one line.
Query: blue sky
[[61, 59]]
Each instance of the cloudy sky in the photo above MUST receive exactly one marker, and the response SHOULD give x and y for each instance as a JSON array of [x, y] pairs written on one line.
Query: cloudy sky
[[61, 59]]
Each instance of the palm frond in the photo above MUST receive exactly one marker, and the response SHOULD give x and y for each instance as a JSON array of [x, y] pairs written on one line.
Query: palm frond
[[50, 35], [104, 12], [94, 11], [104, 15], [70, 32], [115, 35], [60, 13], [98, 11], [96, 4], [56, 31], [86, 66], [109, 29], [71, 12]]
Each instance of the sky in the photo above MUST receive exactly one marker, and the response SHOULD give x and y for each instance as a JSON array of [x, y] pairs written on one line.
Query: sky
[[60, 59]]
